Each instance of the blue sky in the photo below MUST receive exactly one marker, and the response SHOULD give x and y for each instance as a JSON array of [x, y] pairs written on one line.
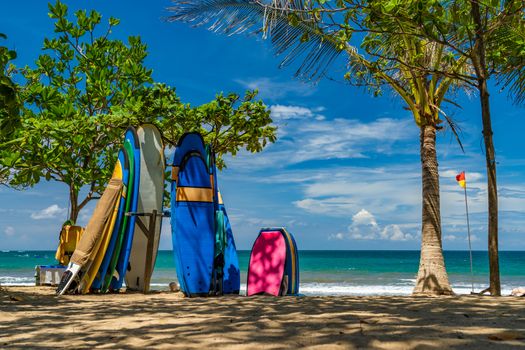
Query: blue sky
[[345, 171]]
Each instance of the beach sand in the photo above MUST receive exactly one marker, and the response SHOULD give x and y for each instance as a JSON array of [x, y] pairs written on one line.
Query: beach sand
[[32, 317]]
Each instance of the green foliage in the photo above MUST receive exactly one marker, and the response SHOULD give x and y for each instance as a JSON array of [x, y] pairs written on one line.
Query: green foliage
[[295, 29], [9, 101], [86, 89], [227, 123], [506, 51], [399, 51], [68, 131], [453, 25], [316, 33]]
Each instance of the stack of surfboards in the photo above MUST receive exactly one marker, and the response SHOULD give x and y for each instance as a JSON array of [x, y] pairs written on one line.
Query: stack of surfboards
[[120, 242], [203, 246]]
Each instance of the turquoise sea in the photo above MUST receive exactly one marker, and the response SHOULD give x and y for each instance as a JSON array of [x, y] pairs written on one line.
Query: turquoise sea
[[351, 272]]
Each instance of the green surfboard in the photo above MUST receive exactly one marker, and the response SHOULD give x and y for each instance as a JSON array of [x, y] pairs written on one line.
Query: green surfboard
[[118, 247]]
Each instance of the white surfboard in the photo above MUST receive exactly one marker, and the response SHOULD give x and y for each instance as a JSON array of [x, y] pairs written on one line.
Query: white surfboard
[[151, 194]]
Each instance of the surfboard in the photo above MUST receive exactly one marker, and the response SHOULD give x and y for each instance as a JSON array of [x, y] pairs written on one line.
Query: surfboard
[[112, 273], [90, 241], [132, 146], [226, 278], [117, 231], [267, 264], [192, 216], [91, 272], [150, 196], [291, 268], [232, 274]]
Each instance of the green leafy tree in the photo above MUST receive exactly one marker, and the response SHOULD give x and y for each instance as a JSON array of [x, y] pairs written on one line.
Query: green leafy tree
[[9, 101], [228, 123], [85, 90], [419, 71]]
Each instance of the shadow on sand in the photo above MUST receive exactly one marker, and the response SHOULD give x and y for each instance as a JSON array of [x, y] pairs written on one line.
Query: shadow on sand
[[33, 317]]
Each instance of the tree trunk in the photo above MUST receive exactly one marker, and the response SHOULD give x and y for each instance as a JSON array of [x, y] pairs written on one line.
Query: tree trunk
[[480, 67], [432, 278], [73, 201], [492, 189]]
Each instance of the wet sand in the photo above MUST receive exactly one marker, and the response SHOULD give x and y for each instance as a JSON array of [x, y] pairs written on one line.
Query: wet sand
[[32, 317]]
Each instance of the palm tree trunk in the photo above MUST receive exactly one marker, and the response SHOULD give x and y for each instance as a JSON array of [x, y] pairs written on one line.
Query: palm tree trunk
[[480, 68], [432, 278]]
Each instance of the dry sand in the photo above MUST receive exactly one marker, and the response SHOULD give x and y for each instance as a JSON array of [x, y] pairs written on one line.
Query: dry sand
[[32, 317]]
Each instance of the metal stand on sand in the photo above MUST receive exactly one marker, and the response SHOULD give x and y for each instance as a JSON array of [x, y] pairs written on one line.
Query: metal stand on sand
[[150, 233]]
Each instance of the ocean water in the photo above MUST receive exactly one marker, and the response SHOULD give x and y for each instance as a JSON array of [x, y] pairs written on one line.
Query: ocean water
[[323, 272]]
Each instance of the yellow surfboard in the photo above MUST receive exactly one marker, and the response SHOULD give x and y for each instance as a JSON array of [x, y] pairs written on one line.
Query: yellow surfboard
[[92, 271]]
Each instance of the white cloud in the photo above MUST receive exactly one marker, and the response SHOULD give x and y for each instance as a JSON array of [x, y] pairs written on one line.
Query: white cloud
[[336, 206], [515, 192], [393, 193], [282, 112], [364, 217], [9, 231], [394, 233], [471, 176], [271, 89], [50, 212], [364, 226], [338, 236], [347, 138], [453, 238], [511, 202], [311, 137]]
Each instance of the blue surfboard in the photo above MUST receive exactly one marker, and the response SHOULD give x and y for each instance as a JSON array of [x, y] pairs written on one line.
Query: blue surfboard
[[192, 216], [227, 278], [232, 274], [97, 282], [133, 150], [194, 202]]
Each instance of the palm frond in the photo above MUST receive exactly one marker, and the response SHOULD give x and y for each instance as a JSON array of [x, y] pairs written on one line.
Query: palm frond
[[511, 39], [454, 127], [293, 31]]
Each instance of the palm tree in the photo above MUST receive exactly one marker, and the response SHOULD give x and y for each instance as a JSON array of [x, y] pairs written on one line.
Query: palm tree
[[424, 94], [403, 62]]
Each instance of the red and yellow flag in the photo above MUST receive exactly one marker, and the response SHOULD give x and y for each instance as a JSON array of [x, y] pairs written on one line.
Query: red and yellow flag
[[461, 179]]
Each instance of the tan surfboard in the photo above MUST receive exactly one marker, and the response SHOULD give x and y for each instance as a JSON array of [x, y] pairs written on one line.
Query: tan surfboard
[[90, 241], [98, 256]]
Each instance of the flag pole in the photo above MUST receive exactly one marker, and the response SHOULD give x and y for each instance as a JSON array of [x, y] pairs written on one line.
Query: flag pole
[[469, 242]]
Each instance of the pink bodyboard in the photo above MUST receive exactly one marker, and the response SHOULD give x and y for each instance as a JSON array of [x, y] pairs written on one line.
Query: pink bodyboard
[[267, 260]]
